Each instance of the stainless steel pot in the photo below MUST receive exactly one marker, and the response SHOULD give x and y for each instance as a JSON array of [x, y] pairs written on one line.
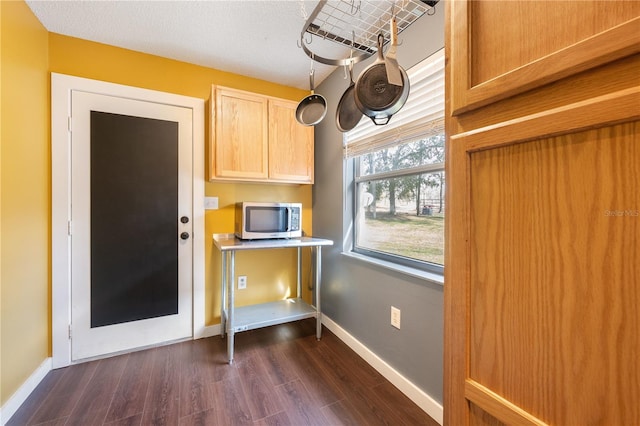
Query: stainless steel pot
[[375, 96], [347, 114], [312, 109]]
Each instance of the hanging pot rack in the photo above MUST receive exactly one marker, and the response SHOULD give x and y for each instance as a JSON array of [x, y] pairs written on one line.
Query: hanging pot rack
[[355, 24]]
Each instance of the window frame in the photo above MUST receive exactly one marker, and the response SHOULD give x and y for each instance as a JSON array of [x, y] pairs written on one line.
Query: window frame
[[403, 261]]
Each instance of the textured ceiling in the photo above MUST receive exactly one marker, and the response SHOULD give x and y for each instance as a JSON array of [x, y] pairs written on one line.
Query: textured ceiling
[[253, 38]]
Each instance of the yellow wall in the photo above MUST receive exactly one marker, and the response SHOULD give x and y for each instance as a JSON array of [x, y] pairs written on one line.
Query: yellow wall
[[82, 58], [25, 197], [28, 54]]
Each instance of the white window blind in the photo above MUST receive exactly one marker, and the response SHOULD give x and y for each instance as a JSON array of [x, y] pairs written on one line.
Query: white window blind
[[421, 116]]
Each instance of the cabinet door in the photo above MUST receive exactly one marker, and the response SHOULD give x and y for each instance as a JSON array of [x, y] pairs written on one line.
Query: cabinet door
[[521, 45], [240, 126], [290, 144], [542, 259]]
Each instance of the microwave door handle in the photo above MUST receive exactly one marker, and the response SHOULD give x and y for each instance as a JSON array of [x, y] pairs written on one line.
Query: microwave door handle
[[288, 219]]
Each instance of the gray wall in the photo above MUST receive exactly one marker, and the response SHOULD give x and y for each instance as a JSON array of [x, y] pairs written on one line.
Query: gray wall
[[358, 295]]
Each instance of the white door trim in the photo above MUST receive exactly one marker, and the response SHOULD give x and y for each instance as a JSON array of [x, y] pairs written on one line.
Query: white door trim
[[61, 87]]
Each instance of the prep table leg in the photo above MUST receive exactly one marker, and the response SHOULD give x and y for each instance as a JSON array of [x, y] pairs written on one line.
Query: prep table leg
[[299, 274], [223, 294], [230, 309], [318, 311]]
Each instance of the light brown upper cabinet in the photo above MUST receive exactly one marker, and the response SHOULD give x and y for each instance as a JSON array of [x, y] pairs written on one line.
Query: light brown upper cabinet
[[256, 138], [542, 248], [290, 144]]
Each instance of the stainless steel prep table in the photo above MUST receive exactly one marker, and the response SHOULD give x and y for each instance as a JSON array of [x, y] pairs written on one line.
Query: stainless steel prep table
[[234, 320]]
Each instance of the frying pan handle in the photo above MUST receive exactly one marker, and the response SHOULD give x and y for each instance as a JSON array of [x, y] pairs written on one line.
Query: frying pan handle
[[380, 44], [350, 72], [394, 31], [311, 80], [380, 123]]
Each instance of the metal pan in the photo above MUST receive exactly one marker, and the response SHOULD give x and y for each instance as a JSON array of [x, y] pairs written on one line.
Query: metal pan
[[375, 96], [347, 114], [312, 109]]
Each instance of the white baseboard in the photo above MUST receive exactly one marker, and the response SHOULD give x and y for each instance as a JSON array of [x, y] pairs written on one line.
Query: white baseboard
[[429, 405], [209, 331], [20, 396]]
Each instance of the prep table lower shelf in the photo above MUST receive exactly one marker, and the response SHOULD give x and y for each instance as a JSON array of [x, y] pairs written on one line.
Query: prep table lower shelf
[[272, 313], [244, 318]]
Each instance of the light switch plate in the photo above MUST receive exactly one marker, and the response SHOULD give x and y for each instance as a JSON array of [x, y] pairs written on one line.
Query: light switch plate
[[211, 203]]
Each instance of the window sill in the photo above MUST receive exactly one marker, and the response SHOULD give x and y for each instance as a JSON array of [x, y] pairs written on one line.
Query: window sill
[[406, 270]]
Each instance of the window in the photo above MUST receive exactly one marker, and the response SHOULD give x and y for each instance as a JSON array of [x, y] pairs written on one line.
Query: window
[[399, 177]]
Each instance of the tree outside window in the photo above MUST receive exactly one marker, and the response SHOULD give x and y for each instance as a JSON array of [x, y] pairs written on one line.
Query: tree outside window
[[400, 203]]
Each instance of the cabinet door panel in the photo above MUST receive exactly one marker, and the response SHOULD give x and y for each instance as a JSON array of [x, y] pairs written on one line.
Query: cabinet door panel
[[552, 221], [542, 250], [290, 144], [538, 43], [550, 278], [241, 134]]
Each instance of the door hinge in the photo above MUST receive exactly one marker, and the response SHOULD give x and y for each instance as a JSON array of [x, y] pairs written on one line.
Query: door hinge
[[69, 331], [69, 228], [69, 124]]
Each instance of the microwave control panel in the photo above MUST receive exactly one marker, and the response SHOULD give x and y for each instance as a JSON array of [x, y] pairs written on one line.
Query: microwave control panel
[[295, 219]]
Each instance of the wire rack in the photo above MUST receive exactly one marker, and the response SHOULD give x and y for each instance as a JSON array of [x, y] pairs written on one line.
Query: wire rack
[[357, 23]]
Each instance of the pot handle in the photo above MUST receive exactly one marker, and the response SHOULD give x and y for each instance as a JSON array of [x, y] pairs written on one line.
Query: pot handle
[[311, 85], [380, 45], [380, 123]]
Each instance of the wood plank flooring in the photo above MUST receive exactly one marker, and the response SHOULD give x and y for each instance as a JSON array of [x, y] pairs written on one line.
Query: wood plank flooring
[[281, 376]]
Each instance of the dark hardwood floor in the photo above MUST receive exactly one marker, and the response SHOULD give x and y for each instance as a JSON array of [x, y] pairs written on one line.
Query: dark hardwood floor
[[281, 375]]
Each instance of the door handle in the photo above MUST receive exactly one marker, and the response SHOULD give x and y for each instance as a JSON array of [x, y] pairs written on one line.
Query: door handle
[[184, 235]]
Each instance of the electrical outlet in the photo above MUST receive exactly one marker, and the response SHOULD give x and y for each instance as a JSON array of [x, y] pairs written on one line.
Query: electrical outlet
[[242, 282], [395, 317]]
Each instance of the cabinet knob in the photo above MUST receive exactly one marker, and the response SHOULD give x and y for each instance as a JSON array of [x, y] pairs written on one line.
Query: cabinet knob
[[184, 219], [184, 235]]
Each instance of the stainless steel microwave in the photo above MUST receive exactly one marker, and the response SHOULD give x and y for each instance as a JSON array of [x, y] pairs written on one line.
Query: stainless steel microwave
[[256, 220]]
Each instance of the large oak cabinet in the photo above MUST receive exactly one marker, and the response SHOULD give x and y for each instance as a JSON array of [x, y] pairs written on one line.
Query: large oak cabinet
[[542, 277], [257, 138]]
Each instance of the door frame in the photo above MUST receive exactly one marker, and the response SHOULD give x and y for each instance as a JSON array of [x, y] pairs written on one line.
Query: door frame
[[61, 88]]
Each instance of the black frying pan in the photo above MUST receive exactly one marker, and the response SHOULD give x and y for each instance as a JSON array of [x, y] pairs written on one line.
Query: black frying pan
[[375, 96], [347, 114], [312, 109]]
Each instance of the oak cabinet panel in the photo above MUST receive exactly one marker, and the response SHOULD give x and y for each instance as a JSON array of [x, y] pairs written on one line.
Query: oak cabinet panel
[[240, 132], [504, 48], [256, 138], [290, 144], [542, 252]]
